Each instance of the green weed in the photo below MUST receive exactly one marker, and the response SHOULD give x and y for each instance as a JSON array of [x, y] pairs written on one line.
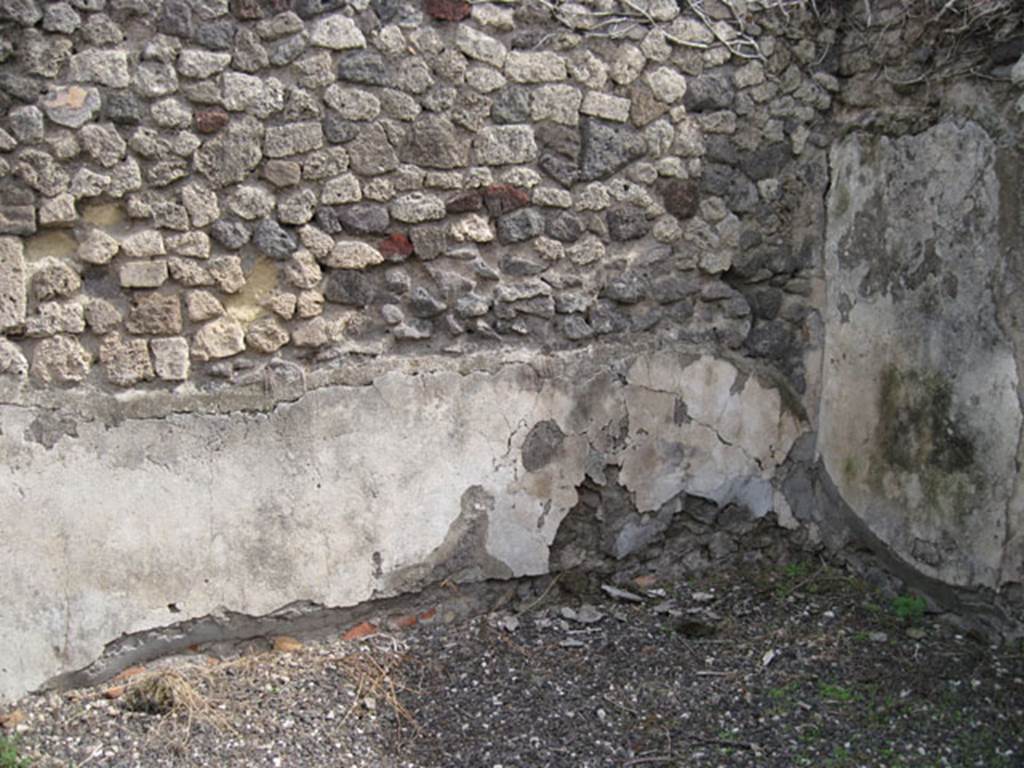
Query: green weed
[[909, 608], [836, 693], [9, 757]]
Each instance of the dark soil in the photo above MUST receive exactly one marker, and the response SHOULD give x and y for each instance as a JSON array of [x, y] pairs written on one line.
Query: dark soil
[[799, 665]]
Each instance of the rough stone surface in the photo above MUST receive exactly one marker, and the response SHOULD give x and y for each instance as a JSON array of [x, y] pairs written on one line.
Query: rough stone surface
[[223, 337], [60, 359], [12, 283], [231, 156], [352, 255], [502, 145]]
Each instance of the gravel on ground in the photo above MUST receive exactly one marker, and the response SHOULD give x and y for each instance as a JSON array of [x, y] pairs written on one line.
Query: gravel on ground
[[798, 664]]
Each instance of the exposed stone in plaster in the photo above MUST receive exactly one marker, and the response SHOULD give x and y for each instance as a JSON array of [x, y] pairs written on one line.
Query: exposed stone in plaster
[[250, 511]]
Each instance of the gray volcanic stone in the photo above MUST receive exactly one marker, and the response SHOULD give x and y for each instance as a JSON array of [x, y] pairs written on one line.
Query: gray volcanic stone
[[327, 220], [249, 55], [103, 143], [520, 225], [24, 12], [433, 142], [364, 218], [371, 153], [309, 8], [71, 105], [230, 234], [286, 51], [233, 154], [364, 67], [26, 123], [511, 105], [61, 17], [708, 93], [216, 35], [565, 226], [723, 181], [338, 130], [670, 288], [423, 304], [349, 287], [17, 220], [766, 161], [273, 240], [122, 108], [175, 19], [627, 222], [627, 288], [293, 139], [608, 147], [429, 240]]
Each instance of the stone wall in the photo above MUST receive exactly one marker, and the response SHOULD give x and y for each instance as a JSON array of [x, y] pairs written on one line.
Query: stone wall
[[312, 302], [189, 187]]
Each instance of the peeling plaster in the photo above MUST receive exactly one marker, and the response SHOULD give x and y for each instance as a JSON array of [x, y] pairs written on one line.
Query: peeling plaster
[[347, 493]]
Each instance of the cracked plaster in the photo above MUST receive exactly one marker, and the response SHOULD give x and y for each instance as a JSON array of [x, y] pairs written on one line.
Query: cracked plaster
[[121, 517]]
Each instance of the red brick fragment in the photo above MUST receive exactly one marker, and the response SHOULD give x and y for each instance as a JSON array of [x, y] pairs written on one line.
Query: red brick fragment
[[404, 622], [395, 247], [447, 10], [211, 120], [360, 631], [503, 198]]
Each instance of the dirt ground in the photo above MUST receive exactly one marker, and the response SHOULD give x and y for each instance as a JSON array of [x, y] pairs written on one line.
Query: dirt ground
[[791, 665]]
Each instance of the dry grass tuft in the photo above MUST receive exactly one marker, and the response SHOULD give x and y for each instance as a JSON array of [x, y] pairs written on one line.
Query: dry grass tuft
[[374, 674]]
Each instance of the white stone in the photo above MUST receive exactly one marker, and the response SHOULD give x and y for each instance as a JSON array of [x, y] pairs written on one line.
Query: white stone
[[485, 79], [249, 201], [667, 84], [200, 64], [535, 67], [505, 144], [352, 254], [201, 203], [59, 210], [416, 207], [472, 228], [143, 274], [337, 32], [97, 248], [352, 103], [106, 67], [194, 245], [606, 106], [557, 103], [341, 189], [627, 65], [144, 244], [223, 337], [170, 358], [171, 113], [749, 75], [477, 45]]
